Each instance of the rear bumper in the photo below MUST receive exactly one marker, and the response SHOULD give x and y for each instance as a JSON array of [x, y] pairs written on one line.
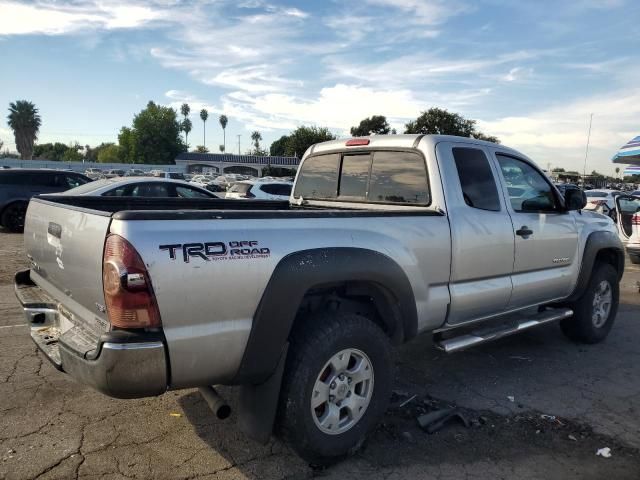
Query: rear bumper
[[123, 364]]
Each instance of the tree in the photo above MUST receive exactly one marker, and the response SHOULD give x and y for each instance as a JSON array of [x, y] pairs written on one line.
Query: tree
[[201, 149], [110, 153], [303, 137], [50, 151], [186, 128], [1, 144], [221, 147], [185, 109], [617, 171], [256, 136], [443, 122], [278, 147], [91, 154], [373, 125], [128, 144], [153, 138], [72, 153], [203, 116], [25, 122], [223, 123]]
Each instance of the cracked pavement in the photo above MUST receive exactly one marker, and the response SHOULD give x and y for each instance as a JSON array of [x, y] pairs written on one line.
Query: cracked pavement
[[54, 428]]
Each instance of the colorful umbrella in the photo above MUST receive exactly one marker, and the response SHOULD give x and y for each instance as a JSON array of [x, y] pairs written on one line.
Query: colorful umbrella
[[629, 153]]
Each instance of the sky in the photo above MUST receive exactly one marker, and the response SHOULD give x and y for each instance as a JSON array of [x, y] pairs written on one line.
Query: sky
[[530, 73]]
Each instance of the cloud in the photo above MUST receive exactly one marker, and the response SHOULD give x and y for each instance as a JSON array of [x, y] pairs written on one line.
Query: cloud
[[558, 135], [424, 12], [50, 18], [338, 107], [517, 73]]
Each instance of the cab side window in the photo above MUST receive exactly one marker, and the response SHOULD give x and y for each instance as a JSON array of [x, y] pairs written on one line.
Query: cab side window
[[476, 179], [529, 190]]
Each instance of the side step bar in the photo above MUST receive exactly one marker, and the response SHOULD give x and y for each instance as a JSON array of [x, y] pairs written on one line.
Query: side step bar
[[462, 342]]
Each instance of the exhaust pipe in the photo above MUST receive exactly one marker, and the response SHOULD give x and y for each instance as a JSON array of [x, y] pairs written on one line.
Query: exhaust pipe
[[217, 404]]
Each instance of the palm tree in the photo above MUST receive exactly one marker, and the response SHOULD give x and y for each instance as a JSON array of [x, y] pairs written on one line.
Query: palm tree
[[617, 171], [25, 122], [223, 123], [221, 147], [256, 137], [203, 116], [185, 109], [186, 128]]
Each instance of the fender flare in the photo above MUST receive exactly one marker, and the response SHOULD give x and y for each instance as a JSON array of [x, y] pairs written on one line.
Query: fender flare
[[596, 242], [301, 271]]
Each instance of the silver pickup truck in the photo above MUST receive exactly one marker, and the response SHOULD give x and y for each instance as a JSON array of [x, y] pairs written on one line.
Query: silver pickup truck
[[300, 303]]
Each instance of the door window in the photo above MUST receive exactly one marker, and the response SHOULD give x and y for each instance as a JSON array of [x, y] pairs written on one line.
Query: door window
[[529, 190], [476, 179], [188, 192]]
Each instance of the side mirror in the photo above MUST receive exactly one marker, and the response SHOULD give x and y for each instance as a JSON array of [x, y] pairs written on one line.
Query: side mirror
[[575, 199]]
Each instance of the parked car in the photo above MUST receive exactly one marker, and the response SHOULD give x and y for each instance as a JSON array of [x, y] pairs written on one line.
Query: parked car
[[114, 173], [94, 173], [17, 186], [301, 303], [141, 187], [604, 200], [171, 175], [134, 172], [628, 222], [260, 190], [202, 180]]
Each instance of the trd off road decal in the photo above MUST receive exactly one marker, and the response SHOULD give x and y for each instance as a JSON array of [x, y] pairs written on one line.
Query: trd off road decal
[[239, 250]]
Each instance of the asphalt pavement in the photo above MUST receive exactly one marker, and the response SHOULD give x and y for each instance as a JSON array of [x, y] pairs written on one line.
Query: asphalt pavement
[[540, 406]]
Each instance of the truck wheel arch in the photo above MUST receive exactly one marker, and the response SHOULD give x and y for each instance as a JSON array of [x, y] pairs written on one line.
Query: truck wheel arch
[[367, 272], [600, 246]]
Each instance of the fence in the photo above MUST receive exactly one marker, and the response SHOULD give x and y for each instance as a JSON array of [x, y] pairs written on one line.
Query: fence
[[82, 166]]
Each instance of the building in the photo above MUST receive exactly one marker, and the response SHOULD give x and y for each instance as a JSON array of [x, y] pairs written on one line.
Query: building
[[221, 163]]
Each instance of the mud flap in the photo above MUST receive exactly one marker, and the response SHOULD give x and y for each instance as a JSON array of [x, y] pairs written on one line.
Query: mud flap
[[259, 404]]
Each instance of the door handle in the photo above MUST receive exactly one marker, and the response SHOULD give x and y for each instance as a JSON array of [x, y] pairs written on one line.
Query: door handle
[[524, 231]]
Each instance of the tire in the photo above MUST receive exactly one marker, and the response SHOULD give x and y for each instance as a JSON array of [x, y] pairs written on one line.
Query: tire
[[13, 216], [314, 354], [590, 324]]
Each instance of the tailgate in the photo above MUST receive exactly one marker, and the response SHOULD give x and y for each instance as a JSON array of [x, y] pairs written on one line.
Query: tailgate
[[65, 246]]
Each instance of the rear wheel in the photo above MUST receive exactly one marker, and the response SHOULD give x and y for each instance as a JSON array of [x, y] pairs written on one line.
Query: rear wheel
[[13, 216], [336, 387], [595, 311]]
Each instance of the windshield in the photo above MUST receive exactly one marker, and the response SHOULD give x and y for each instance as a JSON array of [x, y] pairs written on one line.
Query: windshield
[[88, 187], [596, 194], [176, 176]]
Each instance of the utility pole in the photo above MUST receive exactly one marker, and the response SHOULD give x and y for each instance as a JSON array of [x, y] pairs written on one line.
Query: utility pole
[[586, 152], [239, 144]]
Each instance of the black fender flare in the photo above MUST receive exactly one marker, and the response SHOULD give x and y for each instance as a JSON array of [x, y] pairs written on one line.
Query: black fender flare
[[301, 271], [597, 242]]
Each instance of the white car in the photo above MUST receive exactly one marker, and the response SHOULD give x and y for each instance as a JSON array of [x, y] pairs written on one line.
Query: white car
[[628, 220], [148, 187], [94, 173], [260, 190], [602, 200]]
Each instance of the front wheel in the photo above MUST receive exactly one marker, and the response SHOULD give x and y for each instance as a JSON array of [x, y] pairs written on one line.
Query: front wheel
[[595, 311], [336, 387]]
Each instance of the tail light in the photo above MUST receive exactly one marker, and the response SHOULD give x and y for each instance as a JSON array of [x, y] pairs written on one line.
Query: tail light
[[354, 142], [635, 219], [128, 293]]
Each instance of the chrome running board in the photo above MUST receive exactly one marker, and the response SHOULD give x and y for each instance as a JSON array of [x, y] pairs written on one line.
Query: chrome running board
[[483, 335]]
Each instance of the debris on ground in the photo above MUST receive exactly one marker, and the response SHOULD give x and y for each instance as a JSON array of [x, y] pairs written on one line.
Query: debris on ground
[[571, 437], [518, 357], [604, 452], [175, 414], [406, 401], [511, 398], [433, 421]]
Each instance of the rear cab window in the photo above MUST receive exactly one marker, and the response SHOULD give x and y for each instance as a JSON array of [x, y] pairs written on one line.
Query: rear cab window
[[383, 176]]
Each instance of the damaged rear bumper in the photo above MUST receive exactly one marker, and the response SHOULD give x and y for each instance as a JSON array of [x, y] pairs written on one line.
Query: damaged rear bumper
[[123, 364]]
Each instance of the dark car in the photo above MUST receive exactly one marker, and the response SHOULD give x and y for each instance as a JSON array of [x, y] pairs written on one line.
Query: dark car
[[17, 186]]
